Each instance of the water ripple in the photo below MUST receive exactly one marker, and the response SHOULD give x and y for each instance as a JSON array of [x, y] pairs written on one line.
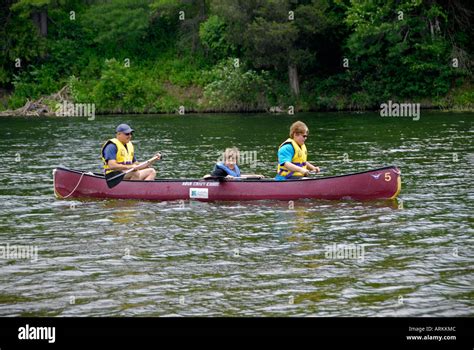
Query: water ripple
[[132, 258]]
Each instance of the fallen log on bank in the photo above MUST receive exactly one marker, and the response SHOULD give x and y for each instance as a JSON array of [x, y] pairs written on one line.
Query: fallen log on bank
[[44, 106]]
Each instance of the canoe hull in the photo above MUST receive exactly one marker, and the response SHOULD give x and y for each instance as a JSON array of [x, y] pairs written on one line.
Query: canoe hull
[[380, 183]]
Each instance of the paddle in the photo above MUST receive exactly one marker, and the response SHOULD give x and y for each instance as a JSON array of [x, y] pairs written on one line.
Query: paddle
[[321, 170], [223, 178], [115, 180], [313, 173], [210, 177]]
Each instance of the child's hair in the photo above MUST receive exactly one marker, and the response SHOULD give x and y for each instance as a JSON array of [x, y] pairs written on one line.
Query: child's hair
[[298, 128], [231, 153]]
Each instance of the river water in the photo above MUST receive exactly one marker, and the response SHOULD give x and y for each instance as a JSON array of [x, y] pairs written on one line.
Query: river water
[[407, 257]]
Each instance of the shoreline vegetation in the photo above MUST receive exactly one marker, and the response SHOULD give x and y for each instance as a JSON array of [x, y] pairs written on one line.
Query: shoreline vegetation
[[46, 106], [226, 56]]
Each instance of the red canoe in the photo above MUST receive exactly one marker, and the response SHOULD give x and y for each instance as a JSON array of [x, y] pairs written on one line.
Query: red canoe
[[374, 184]]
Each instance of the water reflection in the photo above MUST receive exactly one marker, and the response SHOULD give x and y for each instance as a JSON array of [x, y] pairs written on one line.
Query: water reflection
[[139, 258]]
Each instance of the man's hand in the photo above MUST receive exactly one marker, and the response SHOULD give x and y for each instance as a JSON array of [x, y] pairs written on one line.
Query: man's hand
[[157, 157]]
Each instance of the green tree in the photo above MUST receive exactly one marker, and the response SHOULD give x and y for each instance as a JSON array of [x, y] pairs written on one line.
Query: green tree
[[212, 33], [19, 41], [186, 16], [37, 10], [399, 48], [233, 88], [119, 25], [274, 34]]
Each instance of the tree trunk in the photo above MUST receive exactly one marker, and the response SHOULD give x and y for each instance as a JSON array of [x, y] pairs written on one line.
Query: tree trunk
[[294, 81], [431, 29], [40, 20], [44, 23], [36, 20], [437, 26]]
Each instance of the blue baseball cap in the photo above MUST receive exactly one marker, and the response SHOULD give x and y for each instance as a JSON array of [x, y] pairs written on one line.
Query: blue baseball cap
[[124, 128]]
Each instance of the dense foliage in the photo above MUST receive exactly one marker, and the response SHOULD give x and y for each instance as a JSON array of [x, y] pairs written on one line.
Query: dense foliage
[[237, 55]]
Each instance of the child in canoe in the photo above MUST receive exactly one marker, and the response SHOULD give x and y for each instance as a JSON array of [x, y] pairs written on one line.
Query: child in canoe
[[228, 168]]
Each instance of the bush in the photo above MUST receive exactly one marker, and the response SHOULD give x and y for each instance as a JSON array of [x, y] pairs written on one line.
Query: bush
[[230, 88], [213, 36], [464, 100], [361, 101], [33, 83], [119, 89]]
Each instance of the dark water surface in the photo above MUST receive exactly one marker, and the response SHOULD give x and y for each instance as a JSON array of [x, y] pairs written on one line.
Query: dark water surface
[[127, 258]]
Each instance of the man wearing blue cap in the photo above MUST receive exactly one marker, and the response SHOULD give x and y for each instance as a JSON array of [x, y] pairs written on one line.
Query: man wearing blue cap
[[118, 155]]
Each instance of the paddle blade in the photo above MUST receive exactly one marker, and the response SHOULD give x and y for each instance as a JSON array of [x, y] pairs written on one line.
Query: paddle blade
[[114, 181]]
